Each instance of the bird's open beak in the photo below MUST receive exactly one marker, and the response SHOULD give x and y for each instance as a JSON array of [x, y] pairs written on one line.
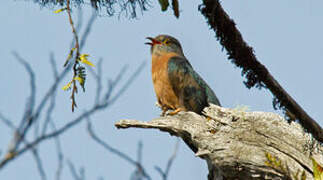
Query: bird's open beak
[[153, 41]]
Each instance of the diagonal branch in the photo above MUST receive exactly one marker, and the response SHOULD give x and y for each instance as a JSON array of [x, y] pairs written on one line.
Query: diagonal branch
[[7, 122], [88, 29], [60, 155], [165, 173], [27, 119], [139, 168], [74, 173], [242, 55], [39, 163]]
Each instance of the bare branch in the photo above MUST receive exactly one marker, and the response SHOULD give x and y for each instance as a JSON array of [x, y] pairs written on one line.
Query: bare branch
[[129, 82], [39, 164], [30, 114], [7, 122], [165, 173], [31, 99], [50, 91], [74, 122], [53, 64], [108, 147], [60, 156], [27, 119], [49, 112], [73, 171], [88, 29], [139, 168], [98, 78], [139, 152], [112, 83]]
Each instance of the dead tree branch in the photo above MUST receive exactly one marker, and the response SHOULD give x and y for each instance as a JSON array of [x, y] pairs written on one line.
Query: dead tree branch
[[257, 75], [239, 148]]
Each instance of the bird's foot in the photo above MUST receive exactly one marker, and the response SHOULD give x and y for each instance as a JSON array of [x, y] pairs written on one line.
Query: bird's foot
[[174, 112], [164, 110]]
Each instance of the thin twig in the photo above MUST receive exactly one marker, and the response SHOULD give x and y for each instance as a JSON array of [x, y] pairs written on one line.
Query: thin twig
[[7, 122], [127, 83], [52, 98], [139, 167], [108, 147], [39, 164], [98, 78], [53, 65], [164, 174], [88, 29], [73, 170], [60, 156], [27, 119]]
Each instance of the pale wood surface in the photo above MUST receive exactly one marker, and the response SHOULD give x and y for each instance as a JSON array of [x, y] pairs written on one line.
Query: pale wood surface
[[234, 142]]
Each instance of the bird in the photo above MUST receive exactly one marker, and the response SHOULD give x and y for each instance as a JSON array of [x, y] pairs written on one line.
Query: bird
[[177, 85]]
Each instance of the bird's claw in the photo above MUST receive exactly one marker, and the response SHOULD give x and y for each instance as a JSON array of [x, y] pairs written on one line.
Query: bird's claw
[[174, 112]]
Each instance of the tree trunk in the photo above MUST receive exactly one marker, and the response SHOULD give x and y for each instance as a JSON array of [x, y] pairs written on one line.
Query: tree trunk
[[242, 145]]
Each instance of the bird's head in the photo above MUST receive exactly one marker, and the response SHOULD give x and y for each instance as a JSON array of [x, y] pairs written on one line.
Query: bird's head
[[164, 44]]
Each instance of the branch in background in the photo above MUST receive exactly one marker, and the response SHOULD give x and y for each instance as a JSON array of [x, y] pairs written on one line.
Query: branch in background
[[98, 79], [34, 150], [105, 102], [52, 99], [28, 118], [165, 173], [139, 172], [60, 156], [256, 74], [39, 163], [30, 115], [7, 122], [75, 174], [87, 30]]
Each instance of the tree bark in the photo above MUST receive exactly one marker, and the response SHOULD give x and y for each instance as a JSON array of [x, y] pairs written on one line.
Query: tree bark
[[242, 145]]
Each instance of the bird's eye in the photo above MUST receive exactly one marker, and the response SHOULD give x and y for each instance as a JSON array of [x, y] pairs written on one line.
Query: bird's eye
[[166, 41]]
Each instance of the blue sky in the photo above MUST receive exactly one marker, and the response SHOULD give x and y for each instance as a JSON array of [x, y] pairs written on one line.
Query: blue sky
[[286, 36]]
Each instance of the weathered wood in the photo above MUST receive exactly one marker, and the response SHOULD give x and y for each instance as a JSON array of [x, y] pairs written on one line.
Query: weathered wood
[[234, 143]]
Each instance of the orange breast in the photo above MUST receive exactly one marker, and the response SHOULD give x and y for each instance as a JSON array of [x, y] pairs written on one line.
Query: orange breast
[[163, 89]]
